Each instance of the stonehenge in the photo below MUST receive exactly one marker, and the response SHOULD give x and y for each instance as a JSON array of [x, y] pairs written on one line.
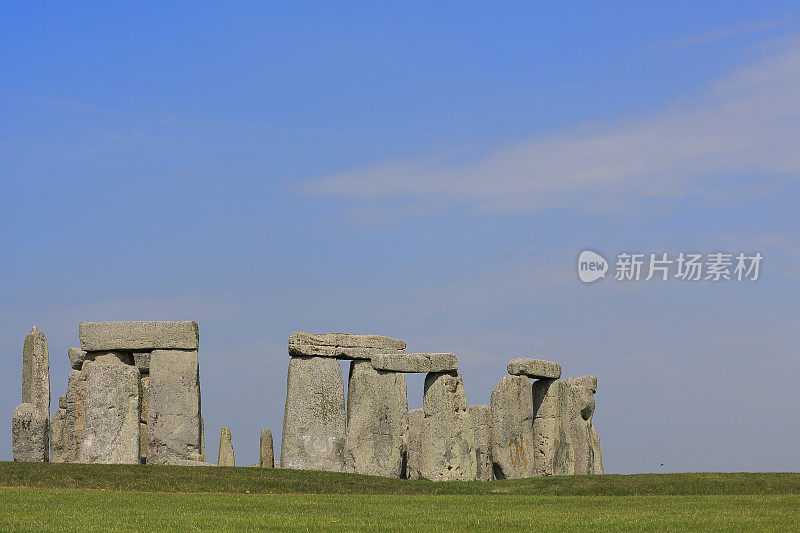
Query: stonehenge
[[133, 396]]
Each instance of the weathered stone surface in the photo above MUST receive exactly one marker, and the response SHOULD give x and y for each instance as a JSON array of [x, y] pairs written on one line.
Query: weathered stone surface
[[581, 409], [144, 396], [142, 361], [36, 372], [62, 402], [225, 457], [126, 358], [29, 434], [415, 362], [111, 426], [534, 368], [138, 336], [173, 407], [597, 455], [76, 413], [448, 438], [589, 382], [481, 422], [58, 437], [342, 345], [76, 357], [554, 454], [142, 442], [266, 456], [377, 416], [512, 428], [416, 417], [314, 417]]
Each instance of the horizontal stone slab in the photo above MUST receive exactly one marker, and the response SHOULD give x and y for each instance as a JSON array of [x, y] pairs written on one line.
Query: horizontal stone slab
[[534, 368], [138, 336], [415, 362], [342, 345]]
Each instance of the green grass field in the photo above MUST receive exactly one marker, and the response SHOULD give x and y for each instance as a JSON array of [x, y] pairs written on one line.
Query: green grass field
[[59, 497]]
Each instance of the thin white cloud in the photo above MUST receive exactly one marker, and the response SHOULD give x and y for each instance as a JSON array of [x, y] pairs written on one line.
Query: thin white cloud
[[745, 125], [722, 34]]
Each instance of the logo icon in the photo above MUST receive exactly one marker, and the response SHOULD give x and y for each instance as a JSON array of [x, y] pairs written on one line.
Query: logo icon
[[591, 266]]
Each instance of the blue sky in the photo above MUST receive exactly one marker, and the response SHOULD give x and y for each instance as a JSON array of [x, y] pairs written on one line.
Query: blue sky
[[428, 172]]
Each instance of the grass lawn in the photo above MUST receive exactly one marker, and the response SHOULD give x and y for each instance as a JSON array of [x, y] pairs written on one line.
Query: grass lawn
[[54, 497]]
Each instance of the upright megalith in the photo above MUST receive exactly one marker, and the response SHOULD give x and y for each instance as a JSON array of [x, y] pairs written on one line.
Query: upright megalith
[[58, 437], [512, 428], [448, 438], [585, 442], [173, 407], [314, 418], [482, 423], [30, 433], [554, 453], [413, 443], [342, 345], [266, 456], [225, 457], [111, 425], [377, 416], [76, 414]]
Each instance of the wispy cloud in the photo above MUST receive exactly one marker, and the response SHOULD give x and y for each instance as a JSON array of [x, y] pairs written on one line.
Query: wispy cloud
[[722, 34], [742, 132]]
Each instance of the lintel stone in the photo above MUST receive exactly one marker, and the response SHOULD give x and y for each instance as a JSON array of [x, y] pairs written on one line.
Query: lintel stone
[[138, 336], [415, 362], [534, 368]]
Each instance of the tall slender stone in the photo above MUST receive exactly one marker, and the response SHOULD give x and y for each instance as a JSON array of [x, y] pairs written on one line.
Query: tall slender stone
[[173, 407], [266, 456], [58, 437], [588, 457], [314, 418], [76, 414], [413, 443], [554, 454], [225, 457], [448, 438], [482, 422], [377, 416], [512, 428], [111, 427], [30, 433]]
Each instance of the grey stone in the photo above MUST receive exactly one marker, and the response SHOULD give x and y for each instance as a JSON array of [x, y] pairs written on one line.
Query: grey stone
[[58, 437], [342, 345], [512, 428], [415, 362], [76, 413], [581, 409], [225, 457], [597, 455], [138, 336], [29, 434], [108, 357], [142, 361], [554, 454], [314, 417], [36, 371], [534, 368], [481, 422], [174, 428], [266, 456], [416, 417], [448, 439], [377, 416], [62, 402], [76, 357], [144, 395], [111, 426]]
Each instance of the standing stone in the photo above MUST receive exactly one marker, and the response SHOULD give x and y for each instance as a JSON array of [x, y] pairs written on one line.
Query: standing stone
[[342, 345], [481, 421], [144, 384], [314, 418], [377, 415], [58, 437], [76, 413], [512, 428], [597, 455], [173, 407], [111, 426], [30, 433], [448, 438], [581, 408], [225, 457], [266, 457], [554, 454], [416, 417], [76, 357]]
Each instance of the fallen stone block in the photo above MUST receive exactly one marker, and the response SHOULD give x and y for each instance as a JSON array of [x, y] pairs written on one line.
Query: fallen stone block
[[534, 368], [481, 422], [448, 438], [138, 336], [342, 345], [415, 362], [29, 434], [377, 416], [225, 457], [314, 417], [266, 456], [512, 428]]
